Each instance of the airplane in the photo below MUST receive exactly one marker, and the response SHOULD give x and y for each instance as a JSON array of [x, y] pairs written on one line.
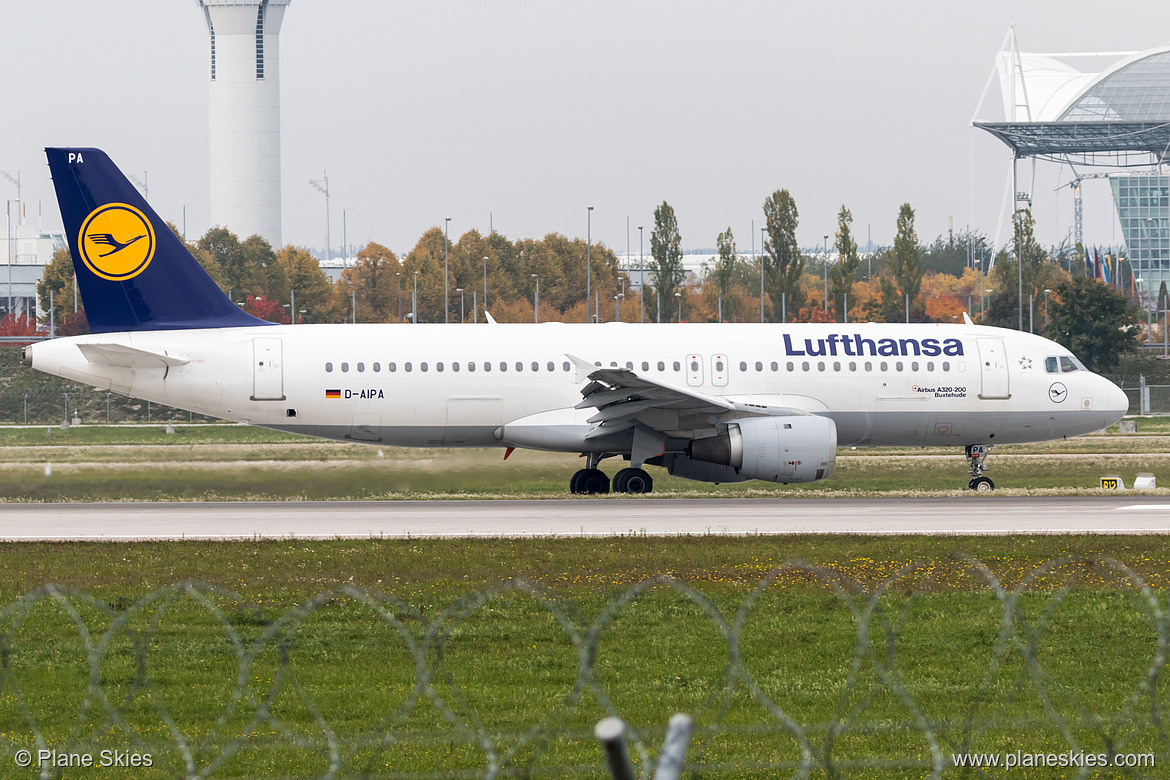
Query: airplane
[[709, 402]]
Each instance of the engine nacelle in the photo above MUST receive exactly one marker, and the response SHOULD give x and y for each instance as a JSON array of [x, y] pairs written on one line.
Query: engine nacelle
[[775, 449]]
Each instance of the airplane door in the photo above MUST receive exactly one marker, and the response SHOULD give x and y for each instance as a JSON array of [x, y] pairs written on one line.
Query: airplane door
[[719, 370], [267, 370], [993, 368], [694, 370]]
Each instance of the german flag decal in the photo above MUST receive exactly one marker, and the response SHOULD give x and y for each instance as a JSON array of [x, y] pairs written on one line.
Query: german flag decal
[[333, 394]]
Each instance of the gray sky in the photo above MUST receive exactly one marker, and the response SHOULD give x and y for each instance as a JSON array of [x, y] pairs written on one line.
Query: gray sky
[[535, 110]]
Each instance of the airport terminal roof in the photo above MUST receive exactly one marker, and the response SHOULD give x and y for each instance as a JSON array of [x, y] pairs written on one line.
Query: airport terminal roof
[[1118, 115]]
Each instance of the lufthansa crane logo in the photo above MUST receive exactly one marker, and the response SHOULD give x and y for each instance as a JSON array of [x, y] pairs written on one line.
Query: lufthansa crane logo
[[116, 242]]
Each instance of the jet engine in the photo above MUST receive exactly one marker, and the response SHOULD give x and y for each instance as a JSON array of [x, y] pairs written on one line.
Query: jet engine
[[775, 449]]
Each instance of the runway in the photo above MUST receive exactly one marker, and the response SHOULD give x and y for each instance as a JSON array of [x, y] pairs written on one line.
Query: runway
[[973, 514]]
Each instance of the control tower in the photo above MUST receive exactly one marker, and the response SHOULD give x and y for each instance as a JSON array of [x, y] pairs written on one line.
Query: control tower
[[245, 114]]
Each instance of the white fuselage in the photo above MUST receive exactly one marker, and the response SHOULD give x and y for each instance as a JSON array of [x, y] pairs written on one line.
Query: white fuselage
[[460, 385]]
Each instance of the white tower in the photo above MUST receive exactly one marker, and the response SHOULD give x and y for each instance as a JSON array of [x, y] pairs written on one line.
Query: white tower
[[245, 115]]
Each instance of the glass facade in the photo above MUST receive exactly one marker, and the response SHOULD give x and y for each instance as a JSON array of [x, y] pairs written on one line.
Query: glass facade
[[1139, 92], [1143, 206]]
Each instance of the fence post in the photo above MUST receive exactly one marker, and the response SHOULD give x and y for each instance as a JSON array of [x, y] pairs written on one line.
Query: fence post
[[1144, 395], [674, 748], [610, 732]]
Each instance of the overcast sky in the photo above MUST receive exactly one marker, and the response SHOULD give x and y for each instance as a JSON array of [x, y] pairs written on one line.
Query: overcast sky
[[531, 111]]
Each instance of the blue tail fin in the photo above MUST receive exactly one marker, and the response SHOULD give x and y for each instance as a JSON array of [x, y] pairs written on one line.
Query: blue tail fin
[[133, 273]]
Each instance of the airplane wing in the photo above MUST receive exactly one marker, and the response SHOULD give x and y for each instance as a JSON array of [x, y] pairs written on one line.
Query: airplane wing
[[127, 357], [626, 399]]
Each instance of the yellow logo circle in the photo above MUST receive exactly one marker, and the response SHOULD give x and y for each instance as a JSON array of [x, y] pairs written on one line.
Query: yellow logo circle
[[116, 241]]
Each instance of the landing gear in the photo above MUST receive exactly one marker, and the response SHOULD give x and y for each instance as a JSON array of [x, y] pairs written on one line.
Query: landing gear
[[632, 481], [589, 482], [976, 457]]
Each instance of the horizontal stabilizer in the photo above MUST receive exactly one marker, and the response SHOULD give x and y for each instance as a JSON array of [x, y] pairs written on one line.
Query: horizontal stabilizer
[[127, 357]]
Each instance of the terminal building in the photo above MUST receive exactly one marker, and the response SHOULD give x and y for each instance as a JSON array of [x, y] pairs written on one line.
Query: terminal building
[[1108, 112]]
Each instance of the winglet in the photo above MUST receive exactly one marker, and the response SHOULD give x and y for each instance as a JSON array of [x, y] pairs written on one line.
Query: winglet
[[967, 319], [491, 320], [584, 367]]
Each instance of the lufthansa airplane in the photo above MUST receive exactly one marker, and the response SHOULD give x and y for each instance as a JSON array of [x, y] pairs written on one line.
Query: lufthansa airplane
[[709, 402]]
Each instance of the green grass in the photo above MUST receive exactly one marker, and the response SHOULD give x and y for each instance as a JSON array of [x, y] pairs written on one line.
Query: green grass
[[503, 659]]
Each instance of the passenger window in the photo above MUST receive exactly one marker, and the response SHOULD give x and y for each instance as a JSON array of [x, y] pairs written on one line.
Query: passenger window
[[503, 366], [742, 366], [914, 365], [804, 366], [820, 365], [455, 366], [519, 366], [361, 367], [719, 366], [836, 365], [898, 366], [645, 366], [677, 366], [852, 366], [422, 366], [408, 367], [629, 365], [567, 366], [328, 368], [946, 366], [535, 366], [1066, 365], [487, 366], [884, 366], [775, 366], [438, 367], [868, 366], [377, 368], [790, 366], [661, 366], [695, 366], [613, 364], [930, 365], [345, 367], [759, 366], [1051, 365], [391, 367], [552, 366], [471, 366]]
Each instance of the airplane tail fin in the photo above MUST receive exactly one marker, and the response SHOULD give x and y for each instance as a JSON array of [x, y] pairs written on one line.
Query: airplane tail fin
[[133, 273]]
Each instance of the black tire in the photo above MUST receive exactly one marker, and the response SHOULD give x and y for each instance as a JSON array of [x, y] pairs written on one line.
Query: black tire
[[635, 481], [575, 481], [982, 485], [592, 482]]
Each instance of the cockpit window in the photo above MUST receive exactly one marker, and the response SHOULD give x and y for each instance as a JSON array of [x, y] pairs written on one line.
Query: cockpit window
[[1067, 365], [1051, 365]]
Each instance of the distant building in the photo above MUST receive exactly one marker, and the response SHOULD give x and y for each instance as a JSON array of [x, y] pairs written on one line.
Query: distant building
[[31, 249], [1143, 207]]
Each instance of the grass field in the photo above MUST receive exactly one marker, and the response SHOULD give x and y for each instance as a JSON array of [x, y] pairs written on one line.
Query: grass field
[[876, 650]]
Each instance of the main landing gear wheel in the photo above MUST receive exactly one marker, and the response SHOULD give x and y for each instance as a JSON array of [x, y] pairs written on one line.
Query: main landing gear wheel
[[632, 481], [589, 482], [976, 461]]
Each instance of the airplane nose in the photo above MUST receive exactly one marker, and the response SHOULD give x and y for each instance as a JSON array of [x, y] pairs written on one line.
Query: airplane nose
[[1116, 402]]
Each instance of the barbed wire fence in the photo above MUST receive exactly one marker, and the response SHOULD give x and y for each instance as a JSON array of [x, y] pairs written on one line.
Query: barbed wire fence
[[269, 704]]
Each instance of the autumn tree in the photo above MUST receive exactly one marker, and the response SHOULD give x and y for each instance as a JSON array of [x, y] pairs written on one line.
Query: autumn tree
[[905, 263], [427, 259], [725, 271], [785, 266], [1092, 321], [372, 283], [844, 273], [666, 261], [1035, 274], [58, 277], [314, 291]]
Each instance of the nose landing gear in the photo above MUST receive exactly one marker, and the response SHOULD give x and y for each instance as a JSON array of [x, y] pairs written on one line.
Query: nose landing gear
[[976, 455]]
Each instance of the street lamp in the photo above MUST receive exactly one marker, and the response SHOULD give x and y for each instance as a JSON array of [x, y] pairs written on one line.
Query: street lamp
[[641, 280], [617, 303], [446, 253], [485, 284], [588, 260], [460, 291], [826, 272], [414, 302], [398, 282], [678, 298], [1046, 309], [763, 233], [536, 300]]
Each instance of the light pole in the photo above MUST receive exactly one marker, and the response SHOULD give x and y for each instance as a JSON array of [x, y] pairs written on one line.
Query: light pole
[[763, 234], [1046, 309], [826, 272], [536, 300], [322, 186], [678, 299], [485, 284], [617, 303], [414, 302], [460, 291], [446, 253], [641, 280], [588, 260], [344, 240], [398, 282]]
